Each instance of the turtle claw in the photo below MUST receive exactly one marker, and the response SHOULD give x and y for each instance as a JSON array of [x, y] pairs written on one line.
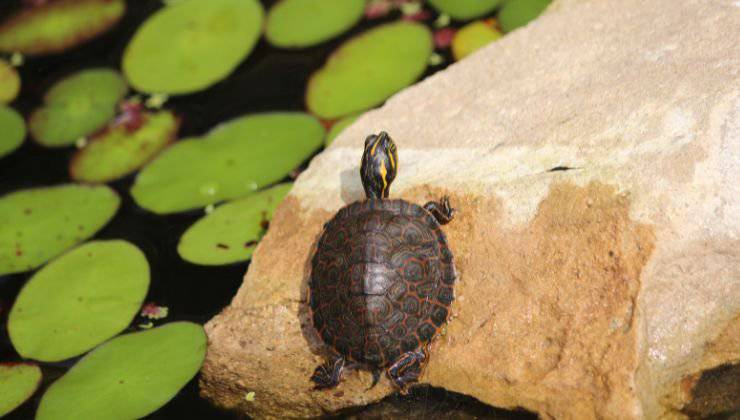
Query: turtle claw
[[328, 374], [441, 210], [407, 369]]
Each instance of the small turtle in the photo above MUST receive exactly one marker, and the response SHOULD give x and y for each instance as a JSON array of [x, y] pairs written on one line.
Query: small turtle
[[382, 278]]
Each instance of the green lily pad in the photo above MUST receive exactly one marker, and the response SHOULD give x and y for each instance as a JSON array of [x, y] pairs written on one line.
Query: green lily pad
[[10, 82], [119, 151], [516, 13], [77, 106], [233, 160], [18, 381], [41, 223], [472, 37], [58, 25], [303, 23], [190, 45], [369, 68], [465, 9], [128, 377], [12, 130], [338, 127], [230, 233], [79, 300]]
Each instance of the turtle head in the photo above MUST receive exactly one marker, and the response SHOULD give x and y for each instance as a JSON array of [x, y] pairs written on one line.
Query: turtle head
[[379, 164]]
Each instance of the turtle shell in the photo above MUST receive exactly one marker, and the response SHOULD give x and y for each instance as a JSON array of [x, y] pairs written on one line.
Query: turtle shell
[[381, 281]]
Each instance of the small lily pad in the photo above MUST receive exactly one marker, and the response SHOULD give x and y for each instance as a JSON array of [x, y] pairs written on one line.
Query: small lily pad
[[128, 377], [12, 130], [516, 13], [40, 223], [338, 127], [79, 300], [369, 68], [231, 232], [18, 381], [472, 37], [303, 23], [77, 106], [56, 26], [465, 9], [10, 82], [190, 45], [120, 150], [233, 160]]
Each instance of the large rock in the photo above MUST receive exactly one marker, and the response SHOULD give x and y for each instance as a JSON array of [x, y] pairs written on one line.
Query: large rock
[[593, 159]]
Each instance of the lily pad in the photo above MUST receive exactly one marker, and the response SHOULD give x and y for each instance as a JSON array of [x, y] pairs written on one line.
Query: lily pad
[[120, 150], [79, 300], [303, 23], [516, 13], [230, 233], [233, 160], [190, 45], [10, 82], [56, 26], [369, 68], [465, 9], [12, 130], [77, 106], [338, 127], [128, 377], [472, 37], [41, 223], [18, 381]]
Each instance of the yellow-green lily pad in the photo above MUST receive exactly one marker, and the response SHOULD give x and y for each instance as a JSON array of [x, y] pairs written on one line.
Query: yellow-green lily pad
[[303, 23], [230, 233], [129, 376], [516, 13], [369, 68], [472, 37], [79, 300], [18, 381], [77, 106], [120, 150], [233, 160], [465, 9], [10, 82], [339, 126], [58, 25], [41, 223], [190, 45], [12, 130]]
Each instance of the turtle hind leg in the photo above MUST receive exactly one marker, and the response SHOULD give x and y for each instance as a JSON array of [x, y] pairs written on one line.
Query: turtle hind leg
[[328, 374], [407, 368], [441, 210]]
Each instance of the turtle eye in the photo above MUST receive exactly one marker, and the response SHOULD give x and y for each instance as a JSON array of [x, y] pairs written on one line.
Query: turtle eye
[[369, 140]]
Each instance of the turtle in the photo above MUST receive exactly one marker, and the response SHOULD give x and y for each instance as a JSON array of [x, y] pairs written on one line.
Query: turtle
[[382, 278]]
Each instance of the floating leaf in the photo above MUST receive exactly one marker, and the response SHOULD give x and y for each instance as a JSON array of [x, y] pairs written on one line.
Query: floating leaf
[[472, 37], [338, 127], [10, 82], [233, 160], [18, 381], [79, 300], [119, 150], [77, 106], [40, 223], [465, 9], [128, 377], [231, 232], [59, 25], [369, 68], [12, 130], [303, 23], [190, 45], [516, 13]]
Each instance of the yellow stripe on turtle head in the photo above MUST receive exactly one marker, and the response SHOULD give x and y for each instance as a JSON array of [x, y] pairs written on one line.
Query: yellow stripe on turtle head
[[375, 145], [383, 174]]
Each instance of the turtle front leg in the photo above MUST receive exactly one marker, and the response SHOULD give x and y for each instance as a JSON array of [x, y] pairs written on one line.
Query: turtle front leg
[[328, 374], [407, 368], [441, 210]]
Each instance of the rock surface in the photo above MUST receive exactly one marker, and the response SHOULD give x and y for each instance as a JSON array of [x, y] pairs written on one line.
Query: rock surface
[[593, 157]]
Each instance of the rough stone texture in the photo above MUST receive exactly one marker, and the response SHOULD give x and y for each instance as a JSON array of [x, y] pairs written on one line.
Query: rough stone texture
[[598, 291]]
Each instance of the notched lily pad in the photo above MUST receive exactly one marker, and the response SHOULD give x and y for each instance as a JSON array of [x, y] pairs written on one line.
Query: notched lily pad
[[233, 160], [79, 300], [12, 130], [472, 37], [516, 13], [124, 146], [40, 223], [77, 106], [303, 23], [366, 70], [129, 376], [231, 232], [58, 25], [190, 45], [465, 9], [10, 82], [339, 126], [18, 382]]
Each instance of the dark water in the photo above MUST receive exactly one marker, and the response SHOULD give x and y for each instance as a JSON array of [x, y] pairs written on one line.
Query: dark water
[[269, 79]]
